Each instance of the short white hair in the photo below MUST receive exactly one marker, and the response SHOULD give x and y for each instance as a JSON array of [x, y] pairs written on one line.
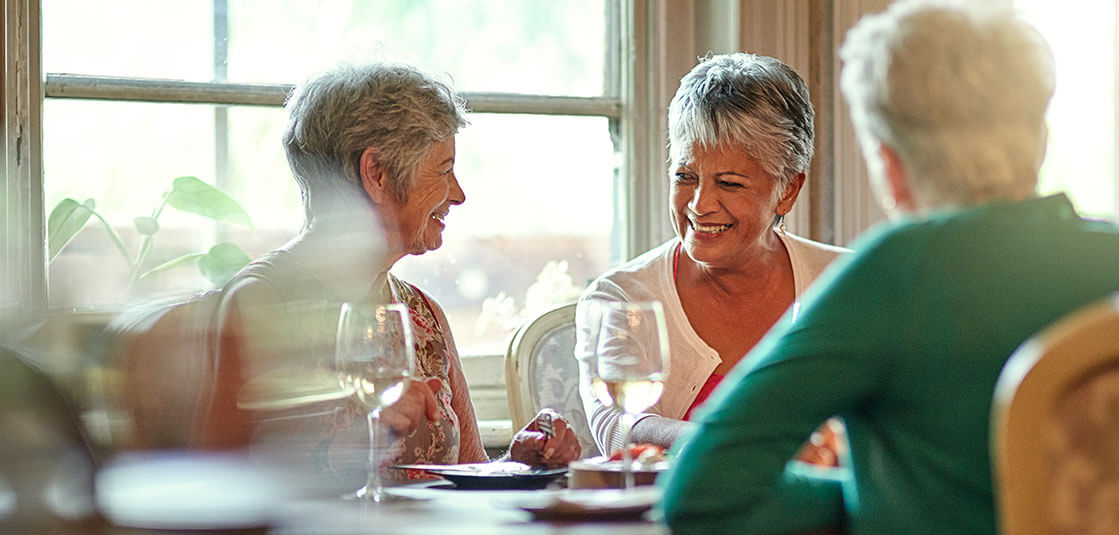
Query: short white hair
[[334, 116], [958, 90]]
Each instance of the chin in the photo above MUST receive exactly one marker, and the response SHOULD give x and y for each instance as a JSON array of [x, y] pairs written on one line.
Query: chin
[[428, 247], [703, 253]]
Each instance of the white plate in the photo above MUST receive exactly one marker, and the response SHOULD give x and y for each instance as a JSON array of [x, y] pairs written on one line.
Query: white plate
[[595, 505]]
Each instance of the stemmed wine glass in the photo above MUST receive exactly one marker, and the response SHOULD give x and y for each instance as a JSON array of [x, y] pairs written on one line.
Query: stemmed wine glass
[[374, 359], [629, 362]]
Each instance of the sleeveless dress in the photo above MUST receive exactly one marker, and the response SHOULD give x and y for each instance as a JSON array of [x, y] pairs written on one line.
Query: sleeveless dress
[[333, 434]]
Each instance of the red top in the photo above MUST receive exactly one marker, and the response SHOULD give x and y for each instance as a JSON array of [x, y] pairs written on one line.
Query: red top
[[712, 381], [704, 391]]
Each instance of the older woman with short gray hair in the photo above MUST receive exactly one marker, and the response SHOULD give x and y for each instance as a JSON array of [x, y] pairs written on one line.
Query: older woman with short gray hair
[[740, 140], [372, 148]]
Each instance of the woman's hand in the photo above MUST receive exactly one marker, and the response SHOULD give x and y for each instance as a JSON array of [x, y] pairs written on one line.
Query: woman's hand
[[417, 403], [824, 444], [546, 440]]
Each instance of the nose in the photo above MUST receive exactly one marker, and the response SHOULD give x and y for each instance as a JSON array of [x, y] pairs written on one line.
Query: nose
[[455, 195], [703, 200]]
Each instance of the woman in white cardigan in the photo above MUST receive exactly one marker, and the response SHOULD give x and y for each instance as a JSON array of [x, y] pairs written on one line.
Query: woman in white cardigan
[[740, 138]]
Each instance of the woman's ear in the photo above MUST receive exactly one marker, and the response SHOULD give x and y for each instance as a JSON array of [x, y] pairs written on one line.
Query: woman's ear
[[373, 177], [897, 180], [789, 197]]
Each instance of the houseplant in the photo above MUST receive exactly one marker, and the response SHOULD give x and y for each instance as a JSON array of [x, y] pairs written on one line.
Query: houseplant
[[187, 194]]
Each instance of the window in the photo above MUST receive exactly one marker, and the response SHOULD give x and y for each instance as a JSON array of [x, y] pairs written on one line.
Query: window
[[1080, 156], [149, 93], [540, 162]]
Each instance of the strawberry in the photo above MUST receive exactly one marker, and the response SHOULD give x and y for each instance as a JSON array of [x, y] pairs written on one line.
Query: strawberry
[[637, 450]]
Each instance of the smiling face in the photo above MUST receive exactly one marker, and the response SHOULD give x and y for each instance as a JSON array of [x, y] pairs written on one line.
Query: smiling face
[[723, 204], [415, 225]]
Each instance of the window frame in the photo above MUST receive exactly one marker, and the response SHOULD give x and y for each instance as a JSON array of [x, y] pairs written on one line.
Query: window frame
[[23, 267]]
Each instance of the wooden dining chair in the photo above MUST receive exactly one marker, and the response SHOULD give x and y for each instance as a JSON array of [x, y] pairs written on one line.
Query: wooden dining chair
[[541, 372], [1055, 428]]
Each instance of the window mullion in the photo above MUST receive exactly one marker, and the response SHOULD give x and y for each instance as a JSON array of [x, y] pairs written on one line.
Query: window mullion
[[225, 93], [221, 113]]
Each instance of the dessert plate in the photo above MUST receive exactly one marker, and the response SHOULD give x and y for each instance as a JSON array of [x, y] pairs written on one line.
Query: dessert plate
[[499, 475], [595, 505]]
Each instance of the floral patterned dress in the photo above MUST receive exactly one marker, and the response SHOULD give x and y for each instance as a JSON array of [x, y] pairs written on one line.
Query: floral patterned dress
[[434, 442]]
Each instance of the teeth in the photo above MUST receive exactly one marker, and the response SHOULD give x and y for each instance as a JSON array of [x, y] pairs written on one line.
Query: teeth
[[438, 217], [710, 228]]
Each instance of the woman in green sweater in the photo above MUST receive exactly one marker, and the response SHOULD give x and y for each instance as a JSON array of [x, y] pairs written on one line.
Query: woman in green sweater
[[905, 338]]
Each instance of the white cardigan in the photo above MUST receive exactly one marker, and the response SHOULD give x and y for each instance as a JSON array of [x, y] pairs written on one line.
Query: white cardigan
[[649, 277]]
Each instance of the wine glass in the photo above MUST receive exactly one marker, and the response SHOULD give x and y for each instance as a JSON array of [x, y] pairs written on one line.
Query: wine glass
[[629, 362], [374, 359]]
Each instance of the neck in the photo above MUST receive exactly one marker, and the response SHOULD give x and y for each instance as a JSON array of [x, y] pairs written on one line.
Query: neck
[[347, 256]]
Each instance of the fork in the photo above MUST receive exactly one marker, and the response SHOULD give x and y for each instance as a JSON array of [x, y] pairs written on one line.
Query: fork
[[545, 425]]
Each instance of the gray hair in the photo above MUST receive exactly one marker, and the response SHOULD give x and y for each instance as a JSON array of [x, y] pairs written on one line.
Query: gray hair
[[754, 101], [335, 116], [958, 91]]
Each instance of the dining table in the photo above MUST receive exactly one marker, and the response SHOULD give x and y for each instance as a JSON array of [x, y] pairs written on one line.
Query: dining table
[[184, 493], [437, 511]]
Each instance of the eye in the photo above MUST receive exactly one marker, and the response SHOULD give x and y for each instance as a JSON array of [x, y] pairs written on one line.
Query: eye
[[731, 185], [684, 178]]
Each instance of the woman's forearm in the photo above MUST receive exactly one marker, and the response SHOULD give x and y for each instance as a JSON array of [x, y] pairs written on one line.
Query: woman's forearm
[[658, 430]]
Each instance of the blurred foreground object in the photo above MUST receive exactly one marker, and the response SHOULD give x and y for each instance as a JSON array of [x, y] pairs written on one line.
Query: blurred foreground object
[[189, 491], [1055, 427], [46, 465], [161, 348]]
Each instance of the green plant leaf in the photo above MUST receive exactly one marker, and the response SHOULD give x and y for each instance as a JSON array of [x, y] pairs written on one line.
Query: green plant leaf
[[170, 264], [222, 262], [190, 194], [66, 219], [146, 226]]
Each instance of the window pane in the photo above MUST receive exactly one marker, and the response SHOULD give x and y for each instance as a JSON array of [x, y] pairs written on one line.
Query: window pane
[[535, 228], [512, 46], [129, 38], [125, 156], [1080, 157]]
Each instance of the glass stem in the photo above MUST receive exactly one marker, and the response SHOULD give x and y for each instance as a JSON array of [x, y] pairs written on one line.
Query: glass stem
[[373, 479], [628, 420]]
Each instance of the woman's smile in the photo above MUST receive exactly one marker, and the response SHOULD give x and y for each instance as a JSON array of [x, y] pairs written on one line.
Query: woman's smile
[[703, 230]]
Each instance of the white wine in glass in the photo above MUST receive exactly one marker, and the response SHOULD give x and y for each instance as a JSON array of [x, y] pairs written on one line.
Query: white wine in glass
[[374, 360], [628, 395], [629, 362]]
